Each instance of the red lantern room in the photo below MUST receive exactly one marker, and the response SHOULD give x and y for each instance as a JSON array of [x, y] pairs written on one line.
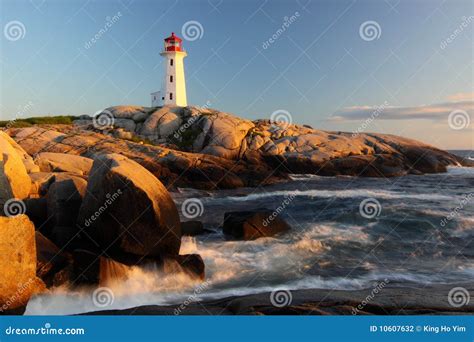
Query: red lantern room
[[173, 43]]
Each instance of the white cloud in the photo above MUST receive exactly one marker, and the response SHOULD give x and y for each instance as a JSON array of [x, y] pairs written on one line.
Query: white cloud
[[433, 112]]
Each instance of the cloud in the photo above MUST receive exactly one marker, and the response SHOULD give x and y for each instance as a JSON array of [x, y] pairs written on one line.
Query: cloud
[[461, 97], [434, 112]]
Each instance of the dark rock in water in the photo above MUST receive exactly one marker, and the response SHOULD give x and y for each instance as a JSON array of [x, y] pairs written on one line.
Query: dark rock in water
[[50, 260], [191, 264], [250, 225], [127, 210], [192, 228]]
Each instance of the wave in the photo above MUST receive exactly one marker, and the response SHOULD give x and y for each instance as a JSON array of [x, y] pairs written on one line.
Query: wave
[[384, 194]]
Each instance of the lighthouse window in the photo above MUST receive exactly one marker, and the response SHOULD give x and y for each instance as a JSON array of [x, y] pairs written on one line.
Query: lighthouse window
[[171, 96], [171, 78], [171, 61]]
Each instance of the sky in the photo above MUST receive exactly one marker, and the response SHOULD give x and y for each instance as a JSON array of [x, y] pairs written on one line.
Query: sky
[[403, 67]]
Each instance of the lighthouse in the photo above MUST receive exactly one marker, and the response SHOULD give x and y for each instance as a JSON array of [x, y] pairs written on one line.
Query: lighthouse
[[173, 88]]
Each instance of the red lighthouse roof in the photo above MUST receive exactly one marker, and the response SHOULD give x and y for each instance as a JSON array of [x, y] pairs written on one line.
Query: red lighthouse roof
[[173, 37], [173, 43]]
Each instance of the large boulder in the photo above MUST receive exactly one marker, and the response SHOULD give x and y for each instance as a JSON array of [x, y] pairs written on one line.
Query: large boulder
[[222, 135], [18, 279], [14, 179], [250, 225], [62, 162], [162, 122], [64, 199], [127, 210], [126, 112]]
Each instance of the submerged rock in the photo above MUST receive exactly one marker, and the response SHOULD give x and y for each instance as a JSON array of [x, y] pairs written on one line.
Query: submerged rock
[[250, 225]]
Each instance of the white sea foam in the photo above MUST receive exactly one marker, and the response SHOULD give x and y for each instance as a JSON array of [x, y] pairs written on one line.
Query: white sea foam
[[383, 194]]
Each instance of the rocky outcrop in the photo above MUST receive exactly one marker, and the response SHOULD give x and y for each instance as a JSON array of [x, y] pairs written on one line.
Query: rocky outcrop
[[289, 147], [393, 300], [173, 168], [126, 210], [14, 180], [251, 225], [18, 279], [62, 162]]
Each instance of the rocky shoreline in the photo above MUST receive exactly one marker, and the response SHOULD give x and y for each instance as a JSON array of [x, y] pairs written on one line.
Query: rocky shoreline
[[429, 300], [81, 203]]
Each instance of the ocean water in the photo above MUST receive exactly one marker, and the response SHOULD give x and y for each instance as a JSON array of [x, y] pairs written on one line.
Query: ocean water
[[347, 233]]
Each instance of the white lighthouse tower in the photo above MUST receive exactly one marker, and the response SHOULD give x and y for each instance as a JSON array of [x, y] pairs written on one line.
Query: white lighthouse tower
[[173, 88]]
